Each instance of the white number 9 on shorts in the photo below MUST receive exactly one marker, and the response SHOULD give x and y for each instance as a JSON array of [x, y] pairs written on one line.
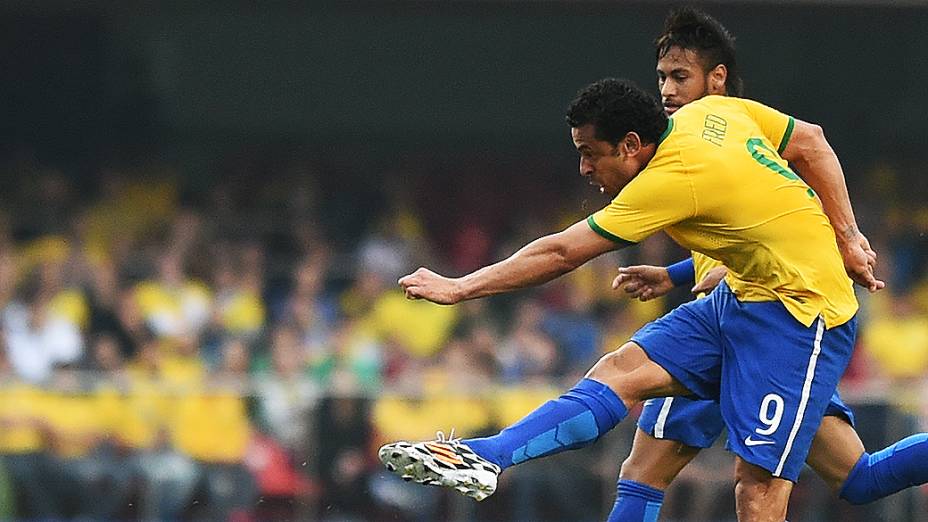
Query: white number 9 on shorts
[[772, 421]]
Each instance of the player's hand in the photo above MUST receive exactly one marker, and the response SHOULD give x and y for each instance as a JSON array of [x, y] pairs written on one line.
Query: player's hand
[[860, 261], [712, 280], [643, 282], [425, 284]]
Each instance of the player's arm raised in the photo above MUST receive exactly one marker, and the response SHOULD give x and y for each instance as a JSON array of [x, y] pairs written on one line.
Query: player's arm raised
[[818, 165], [538, 262]]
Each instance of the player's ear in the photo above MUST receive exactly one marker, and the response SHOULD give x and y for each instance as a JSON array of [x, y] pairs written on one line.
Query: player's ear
[[631, 143], [717, 78]]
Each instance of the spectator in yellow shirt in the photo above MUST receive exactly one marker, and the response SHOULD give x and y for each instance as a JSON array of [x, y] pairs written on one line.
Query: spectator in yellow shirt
[[77, 425], [212, 427], [174, 305], [898, 340], [168, 476], [22, 442]]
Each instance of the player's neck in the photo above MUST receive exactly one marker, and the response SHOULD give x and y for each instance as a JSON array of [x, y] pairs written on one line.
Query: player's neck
[[647, 153]]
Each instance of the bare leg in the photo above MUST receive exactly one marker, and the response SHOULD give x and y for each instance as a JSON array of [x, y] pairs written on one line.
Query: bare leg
[[759, 496], [835, 450], [656, 462], [634, 377]]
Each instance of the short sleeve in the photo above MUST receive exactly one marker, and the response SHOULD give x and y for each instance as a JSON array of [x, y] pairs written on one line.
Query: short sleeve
[[656, 199], [776, 126]]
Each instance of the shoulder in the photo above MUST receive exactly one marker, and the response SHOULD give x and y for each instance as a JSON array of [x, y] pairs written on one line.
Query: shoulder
[[667, 172], [677, 138], [696, 111]]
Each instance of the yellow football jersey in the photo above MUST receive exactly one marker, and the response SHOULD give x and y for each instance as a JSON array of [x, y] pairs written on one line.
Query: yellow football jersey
[[717, 185], [702, 264]]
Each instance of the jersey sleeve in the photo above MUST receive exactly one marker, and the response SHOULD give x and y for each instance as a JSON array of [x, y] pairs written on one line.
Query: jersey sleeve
[[776, 126], [682, 272], [653, 201]]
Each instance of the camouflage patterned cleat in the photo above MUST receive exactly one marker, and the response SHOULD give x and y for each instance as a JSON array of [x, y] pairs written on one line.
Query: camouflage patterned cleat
[[442, 462]]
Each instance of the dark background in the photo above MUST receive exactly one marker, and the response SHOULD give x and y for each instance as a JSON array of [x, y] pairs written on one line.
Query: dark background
[[373, 81]]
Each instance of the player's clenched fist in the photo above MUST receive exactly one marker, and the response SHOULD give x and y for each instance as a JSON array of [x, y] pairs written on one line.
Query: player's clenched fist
[[425, 284], [859, 260]]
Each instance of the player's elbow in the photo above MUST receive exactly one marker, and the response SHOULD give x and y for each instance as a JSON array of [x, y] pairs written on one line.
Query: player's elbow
[[817, 137], [813, 141], [808, 143], [566, 258], [560, 254]]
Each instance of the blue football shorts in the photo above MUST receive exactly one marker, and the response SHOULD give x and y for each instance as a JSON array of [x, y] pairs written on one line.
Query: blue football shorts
[[698, 423], [770, 378]]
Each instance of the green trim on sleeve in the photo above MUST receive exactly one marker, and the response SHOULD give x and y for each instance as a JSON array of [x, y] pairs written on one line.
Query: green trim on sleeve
[[669, 129], [606, 234], [786, 135]]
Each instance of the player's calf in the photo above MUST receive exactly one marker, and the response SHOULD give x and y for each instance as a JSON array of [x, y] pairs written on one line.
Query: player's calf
[[888, 471], [656, 462]]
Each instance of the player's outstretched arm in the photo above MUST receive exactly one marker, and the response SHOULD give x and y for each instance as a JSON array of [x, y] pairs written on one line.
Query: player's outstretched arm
[[538, 262], [818, 166]]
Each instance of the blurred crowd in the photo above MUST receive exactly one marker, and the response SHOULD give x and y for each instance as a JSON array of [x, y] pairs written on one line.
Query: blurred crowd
[[238, 351]]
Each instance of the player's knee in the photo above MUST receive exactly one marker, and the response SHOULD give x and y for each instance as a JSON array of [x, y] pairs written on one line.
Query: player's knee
[[613, 369], [751, 481], [631, 469], [606, 367], [638, 471], [751, 476], [759, 495]]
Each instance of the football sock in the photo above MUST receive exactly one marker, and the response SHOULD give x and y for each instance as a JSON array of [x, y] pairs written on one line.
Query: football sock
[[636, 502], [573, 420], [887, 471]]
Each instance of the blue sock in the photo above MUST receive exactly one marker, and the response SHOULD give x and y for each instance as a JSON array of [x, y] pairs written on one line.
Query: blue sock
[[900, 466], [573, 420], [636, 502]]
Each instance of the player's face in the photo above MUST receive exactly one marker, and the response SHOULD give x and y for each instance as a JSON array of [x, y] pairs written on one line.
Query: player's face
[[681, 78], [607, 166]]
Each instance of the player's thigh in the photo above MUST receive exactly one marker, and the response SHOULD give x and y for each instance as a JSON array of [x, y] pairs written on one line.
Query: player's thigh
[[633, 376], [835, 451], [656, 462], [777, 381], [685, 344]]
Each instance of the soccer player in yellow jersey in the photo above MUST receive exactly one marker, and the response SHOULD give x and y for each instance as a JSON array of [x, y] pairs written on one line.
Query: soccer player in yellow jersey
[[774, 338], [696, 58]]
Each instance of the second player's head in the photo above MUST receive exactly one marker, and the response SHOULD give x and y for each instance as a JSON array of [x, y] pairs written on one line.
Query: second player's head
[[615, 126], [695, 58]]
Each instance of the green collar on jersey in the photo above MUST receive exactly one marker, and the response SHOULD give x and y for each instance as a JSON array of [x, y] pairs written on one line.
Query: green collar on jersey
[[666, 131]]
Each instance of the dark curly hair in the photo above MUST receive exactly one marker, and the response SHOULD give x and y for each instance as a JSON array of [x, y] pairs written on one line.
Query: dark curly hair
[[615, 108], [690, 28]]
